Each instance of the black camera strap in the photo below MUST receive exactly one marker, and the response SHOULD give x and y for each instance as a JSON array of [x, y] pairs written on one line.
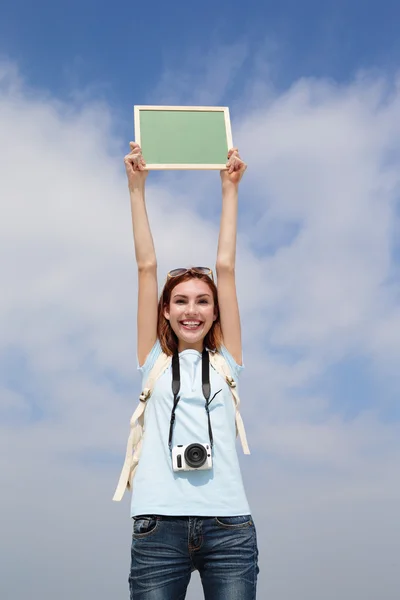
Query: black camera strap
[[176, 386]]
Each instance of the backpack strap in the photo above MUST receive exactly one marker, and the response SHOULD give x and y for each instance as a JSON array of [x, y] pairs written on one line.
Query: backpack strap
[[221, 366], [134, 445]]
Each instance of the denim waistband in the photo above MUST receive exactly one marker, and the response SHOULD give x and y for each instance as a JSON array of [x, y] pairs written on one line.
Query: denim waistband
[[177, 517]]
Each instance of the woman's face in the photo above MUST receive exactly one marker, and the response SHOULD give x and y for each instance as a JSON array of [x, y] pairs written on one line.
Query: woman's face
[[191, 313]]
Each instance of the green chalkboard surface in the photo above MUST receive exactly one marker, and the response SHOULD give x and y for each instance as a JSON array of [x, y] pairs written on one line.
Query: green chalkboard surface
[[183, 137]]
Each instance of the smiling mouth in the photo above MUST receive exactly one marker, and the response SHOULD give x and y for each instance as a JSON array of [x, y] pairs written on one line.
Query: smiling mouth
[[191, 325]]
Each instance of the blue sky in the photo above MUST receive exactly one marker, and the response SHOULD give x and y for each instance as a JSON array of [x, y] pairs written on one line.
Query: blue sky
[[315, 105], [121, 52]]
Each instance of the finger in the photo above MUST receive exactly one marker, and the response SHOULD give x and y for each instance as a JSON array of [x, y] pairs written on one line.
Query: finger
[[136, 157], [242, 169], [137, 152], [234, 158], [238, 163], [134, 146], [132, 158], [128, 167], [130, 163], [233, 163]]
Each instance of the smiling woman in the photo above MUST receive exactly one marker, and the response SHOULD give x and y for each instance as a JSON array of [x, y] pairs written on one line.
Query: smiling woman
[[188, 315], [189, 506]]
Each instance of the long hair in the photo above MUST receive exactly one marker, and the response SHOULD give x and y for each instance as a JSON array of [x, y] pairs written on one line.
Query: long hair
[[165, 333]]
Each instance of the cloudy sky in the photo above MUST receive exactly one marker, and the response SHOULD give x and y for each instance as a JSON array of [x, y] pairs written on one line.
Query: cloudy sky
[[314, 93]]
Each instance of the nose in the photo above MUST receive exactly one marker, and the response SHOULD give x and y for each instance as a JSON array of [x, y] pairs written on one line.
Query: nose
[[191, 309]]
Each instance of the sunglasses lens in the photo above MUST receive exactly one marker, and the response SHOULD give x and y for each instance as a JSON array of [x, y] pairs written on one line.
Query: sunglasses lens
[[202, 270], [177, 272]]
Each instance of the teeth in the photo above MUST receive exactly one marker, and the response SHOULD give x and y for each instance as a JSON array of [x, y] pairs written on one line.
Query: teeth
[[191, 323]]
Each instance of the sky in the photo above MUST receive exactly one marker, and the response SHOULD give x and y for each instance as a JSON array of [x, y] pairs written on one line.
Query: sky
[[314, 95]]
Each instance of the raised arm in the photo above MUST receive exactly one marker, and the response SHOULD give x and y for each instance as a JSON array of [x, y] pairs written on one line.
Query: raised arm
[[226, 256], [145, 254]]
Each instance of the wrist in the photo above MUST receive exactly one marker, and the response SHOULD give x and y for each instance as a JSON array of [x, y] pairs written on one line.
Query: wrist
[[136, 189], [230, 187]]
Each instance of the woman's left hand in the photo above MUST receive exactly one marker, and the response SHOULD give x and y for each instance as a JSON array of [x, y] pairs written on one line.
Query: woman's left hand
[[235, 168]]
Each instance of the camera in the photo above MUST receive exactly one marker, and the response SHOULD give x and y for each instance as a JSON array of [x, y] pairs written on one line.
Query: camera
[[192, 457]]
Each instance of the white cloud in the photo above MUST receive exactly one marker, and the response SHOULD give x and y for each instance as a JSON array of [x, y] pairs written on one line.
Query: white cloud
[[203, 78], [319, 199]]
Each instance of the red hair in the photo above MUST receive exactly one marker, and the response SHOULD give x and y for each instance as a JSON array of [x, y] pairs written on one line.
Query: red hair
[[165, 333]]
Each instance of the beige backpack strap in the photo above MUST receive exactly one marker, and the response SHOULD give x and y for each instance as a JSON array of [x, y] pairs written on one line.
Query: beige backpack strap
[[134, 445], [221, 366]]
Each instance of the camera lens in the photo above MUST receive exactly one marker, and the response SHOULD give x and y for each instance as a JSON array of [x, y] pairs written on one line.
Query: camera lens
[[195, 455]]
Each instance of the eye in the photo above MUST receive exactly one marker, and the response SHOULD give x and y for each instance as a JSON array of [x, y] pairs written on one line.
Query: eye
[[179, 301], [203, 301]]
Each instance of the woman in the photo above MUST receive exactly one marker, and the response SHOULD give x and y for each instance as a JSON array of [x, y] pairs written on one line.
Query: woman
[[189, 509]]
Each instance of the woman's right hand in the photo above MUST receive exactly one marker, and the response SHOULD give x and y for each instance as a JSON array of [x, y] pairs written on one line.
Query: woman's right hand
[[135, 167]]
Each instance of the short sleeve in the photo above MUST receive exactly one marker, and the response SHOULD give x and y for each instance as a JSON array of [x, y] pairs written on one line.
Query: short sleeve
[[150, 360], [234, 367]]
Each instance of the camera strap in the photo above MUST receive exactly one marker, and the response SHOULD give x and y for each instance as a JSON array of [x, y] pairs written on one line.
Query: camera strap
[[176, 386]]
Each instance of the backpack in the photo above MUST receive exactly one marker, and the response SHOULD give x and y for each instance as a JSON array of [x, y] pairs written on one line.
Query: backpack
[[134, 445]]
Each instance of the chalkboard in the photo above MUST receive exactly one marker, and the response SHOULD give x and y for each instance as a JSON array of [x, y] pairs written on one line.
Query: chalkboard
[[183, 137]]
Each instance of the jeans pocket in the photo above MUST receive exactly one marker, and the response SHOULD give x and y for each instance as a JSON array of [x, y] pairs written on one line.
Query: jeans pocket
[[234, 522], [144, 525]]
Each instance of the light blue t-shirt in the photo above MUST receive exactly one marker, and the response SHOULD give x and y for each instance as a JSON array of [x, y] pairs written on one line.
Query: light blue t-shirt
[[157, 489]]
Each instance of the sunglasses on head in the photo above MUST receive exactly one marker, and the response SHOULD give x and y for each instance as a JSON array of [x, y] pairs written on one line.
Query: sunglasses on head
[[198, 270]]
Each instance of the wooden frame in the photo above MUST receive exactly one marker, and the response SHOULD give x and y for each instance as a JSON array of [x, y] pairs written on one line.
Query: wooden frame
[[196, 166]]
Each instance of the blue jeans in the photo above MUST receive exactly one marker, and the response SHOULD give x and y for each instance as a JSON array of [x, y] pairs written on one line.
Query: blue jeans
[[165, 551]]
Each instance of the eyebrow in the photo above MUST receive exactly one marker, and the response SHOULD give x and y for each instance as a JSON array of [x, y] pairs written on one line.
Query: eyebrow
[[199, 296]]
